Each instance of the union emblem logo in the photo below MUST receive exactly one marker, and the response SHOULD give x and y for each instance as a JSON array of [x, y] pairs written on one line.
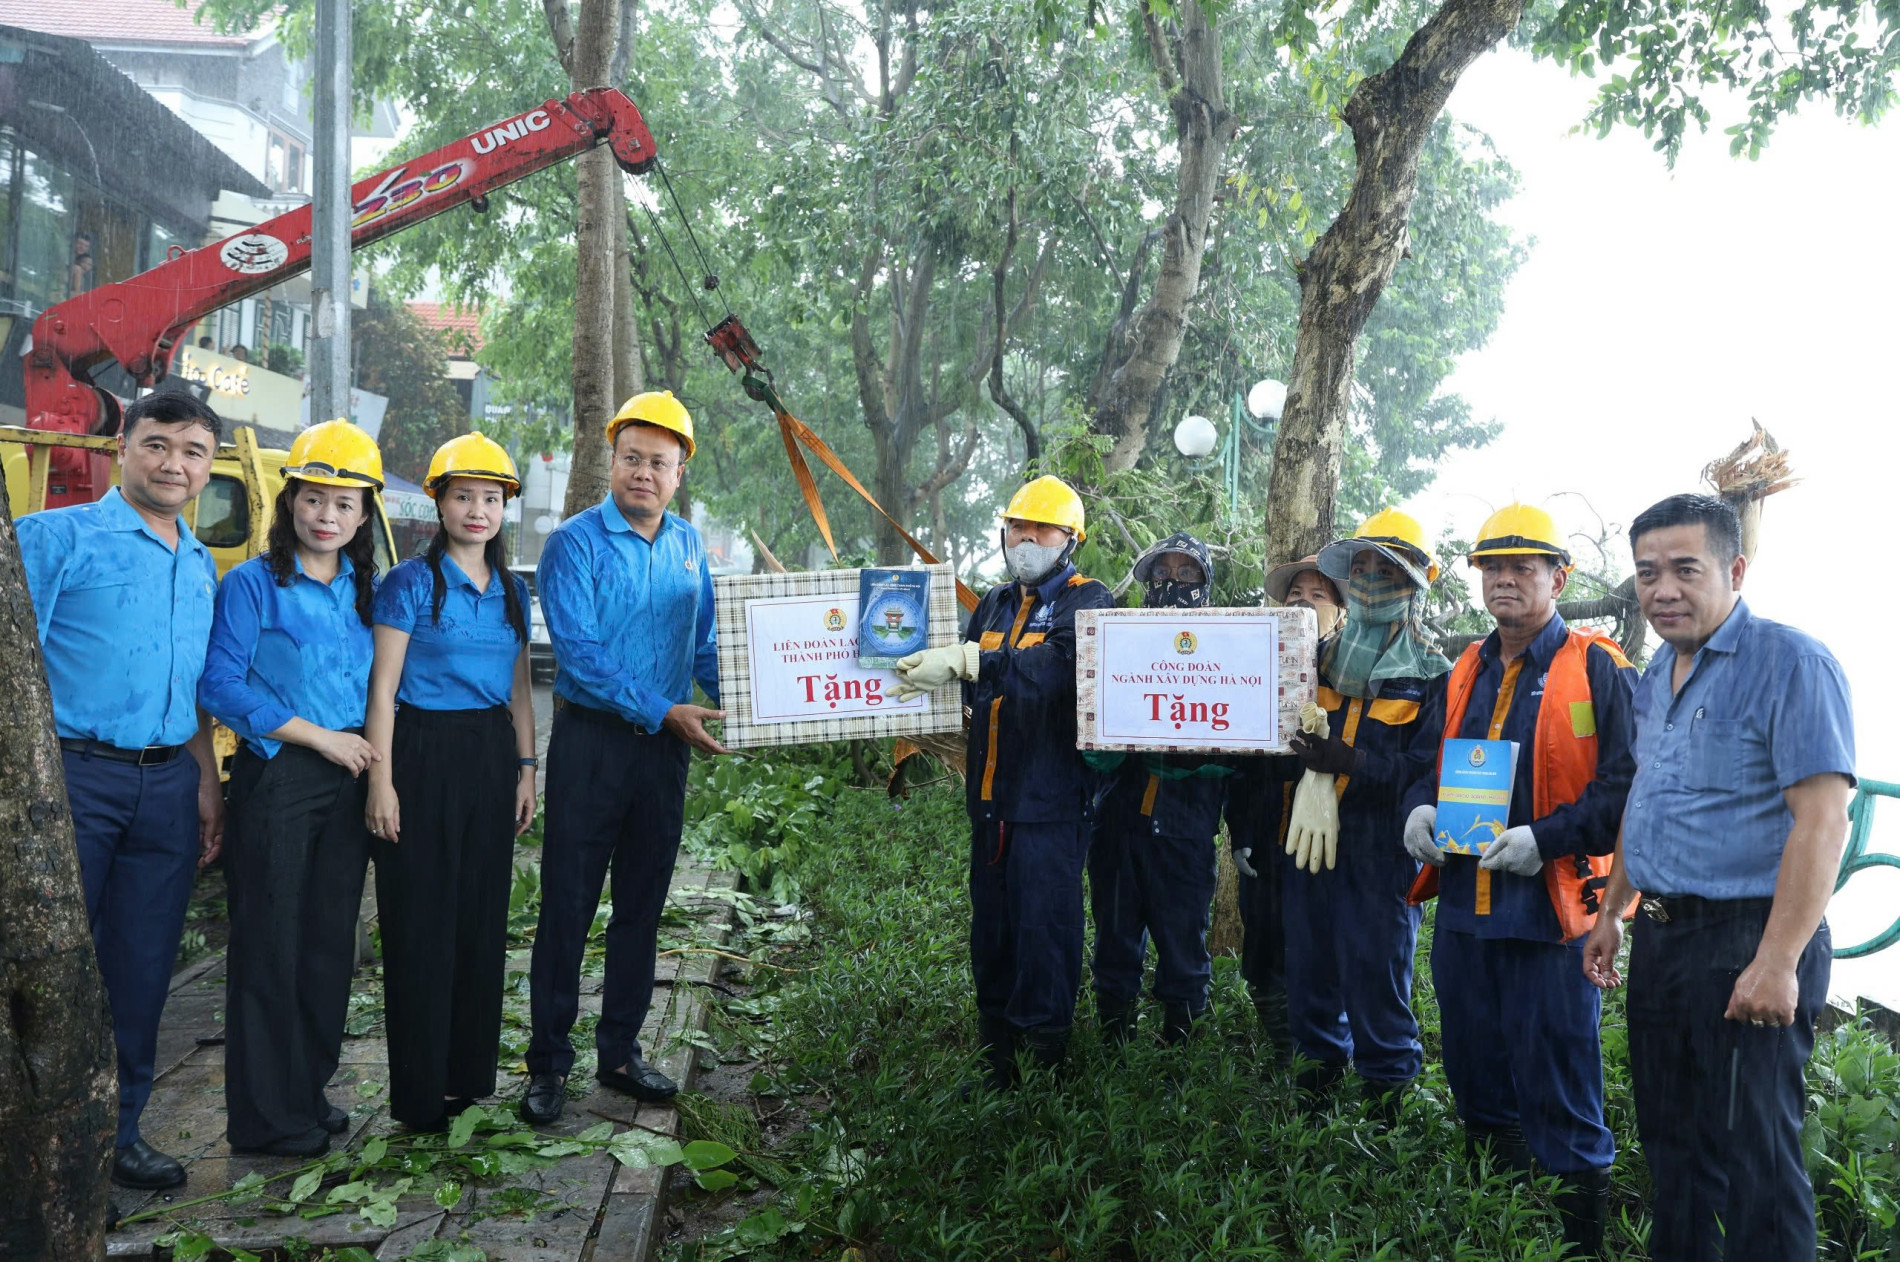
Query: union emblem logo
[[834, 619], [1185, 643], [1477, 756]]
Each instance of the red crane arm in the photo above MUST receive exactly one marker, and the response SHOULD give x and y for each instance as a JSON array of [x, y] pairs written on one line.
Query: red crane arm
[[139, 321]]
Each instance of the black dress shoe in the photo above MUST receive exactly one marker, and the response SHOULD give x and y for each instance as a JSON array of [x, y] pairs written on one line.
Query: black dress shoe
[[334, 1120], [312, 1143], [641, 1081], [139, 1165], [545, 1098], [452, 1108]]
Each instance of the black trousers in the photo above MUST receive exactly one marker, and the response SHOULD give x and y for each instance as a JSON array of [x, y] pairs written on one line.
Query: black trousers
[[442, 902], [1719, 1102], [295, 852], [616, 800]]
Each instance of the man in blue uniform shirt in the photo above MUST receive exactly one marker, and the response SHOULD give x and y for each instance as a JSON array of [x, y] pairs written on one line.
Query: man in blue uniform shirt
[[628, 599], [1733, 833], [1028, 792], [122, 595], [1518, 1022]]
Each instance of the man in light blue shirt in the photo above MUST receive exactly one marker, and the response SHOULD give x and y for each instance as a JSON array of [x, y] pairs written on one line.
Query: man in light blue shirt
[[1733, 832], [628, 599], [122, 597]]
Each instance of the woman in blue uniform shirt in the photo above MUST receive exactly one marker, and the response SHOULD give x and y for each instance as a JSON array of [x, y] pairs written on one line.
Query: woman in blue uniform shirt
[[452, 715], [288, 670]]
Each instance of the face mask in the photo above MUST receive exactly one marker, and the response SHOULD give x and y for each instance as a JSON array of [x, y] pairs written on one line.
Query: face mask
[[1030, 563], [1173, 594], [1378, 598]]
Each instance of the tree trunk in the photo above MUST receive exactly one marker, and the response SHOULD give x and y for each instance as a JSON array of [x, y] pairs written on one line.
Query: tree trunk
[[59, 1086], [1126, 385], [587, 56], [1391, 114]]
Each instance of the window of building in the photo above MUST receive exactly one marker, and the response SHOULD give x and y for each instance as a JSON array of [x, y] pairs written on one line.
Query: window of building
[[283, 163]]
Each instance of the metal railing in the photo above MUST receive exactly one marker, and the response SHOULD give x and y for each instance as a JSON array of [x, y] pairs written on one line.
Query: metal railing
[[1860, 815]]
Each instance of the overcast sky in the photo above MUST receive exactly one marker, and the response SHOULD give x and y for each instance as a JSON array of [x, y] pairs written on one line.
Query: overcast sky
[[1657, 313]]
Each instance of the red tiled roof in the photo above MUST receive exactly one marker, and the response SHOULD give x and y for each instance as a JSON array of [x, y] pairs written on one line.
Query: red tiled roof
[[118, 21], [463, 328]]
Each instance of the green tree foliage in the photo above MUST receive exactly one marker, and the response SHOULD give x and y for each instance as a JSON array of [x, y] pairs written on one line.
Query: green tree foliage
[[401, 358]]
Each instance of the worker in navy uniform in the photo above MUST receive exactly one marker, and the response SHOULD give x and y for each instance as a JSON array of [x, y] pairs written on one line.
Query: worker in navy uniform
[[452, 711], [1350, 933], [628, 598], [1151, 866], [1518, 1020], [288, 671], [1029, 794], [122, 601], [1733, 832], [1259, 804]]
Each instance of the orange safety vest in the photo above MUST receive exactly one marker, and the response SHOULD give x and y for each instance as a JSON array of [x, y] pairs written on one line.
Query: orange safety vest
[[1564, 762]]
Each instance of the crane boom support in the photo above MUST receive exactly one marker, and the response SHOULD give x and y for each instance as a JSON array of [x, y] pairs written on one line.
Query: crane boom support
[[139, 322]]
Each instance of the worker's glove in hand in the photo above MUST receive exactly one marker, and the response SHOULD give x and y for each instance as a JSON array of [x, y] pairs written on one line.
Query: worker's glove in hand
[[1312, 831], [1418, 836], [1514, 851], [1328, 755], [933, 668], [1241, 855]]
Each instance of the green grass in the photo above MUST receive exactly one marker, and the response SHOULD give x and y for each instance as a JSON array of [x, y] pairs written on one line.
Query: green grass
[[1156, 1153]]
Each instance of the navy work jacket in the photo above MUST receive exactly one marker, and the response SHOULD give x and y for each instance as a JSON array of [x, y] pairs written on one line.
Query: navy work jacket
[[1519, 906], [1391, 731], [1023, 763]]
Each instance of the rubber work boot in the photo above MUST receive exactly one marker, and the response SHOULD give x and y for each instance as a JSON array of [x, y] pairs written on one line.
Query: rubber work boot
[[1510, 1155], [1270, 1007], [1583, 1205], [997, 1038], [1177, 1023], [1315, 1084], [1048, 1047], [1385, 1100], [1117, 1019]]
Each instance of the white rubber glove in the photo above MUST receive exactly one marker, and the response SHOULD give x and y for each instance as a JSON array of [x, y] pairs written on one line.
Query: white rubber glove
[[1514, 851], [1241, 854], [934, 668], [1312, 834], [1418, 836]]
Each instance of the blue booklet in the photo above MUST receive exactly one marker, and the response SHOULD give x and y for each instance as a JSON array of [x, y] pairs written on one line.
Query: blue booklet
[[1474, 794], [893, 616]]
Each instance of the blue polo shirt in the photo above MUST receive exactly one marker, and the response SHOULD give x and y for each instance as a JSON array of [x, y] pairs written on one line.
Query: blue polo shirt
[[123, 618], [631, 621], [1764, 707], [279, 653], [464, 660]]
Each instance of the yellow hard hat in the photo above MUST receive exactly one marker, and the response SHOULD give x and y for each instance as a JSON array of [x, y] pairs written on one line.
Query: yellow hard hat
[[1394, 535], [335, 453], [1516, 529], [654, 407], [471, 456], [1051, 501]]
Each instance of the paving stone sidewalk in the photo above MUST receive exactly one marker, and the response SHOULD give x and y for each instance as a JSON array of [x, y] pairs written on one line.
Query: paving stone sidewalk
[[600, 1211]]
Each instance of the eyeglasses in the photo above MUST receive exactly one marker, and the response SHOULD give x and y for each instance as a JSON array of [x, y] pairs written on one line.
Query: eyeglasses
[[659, 465]]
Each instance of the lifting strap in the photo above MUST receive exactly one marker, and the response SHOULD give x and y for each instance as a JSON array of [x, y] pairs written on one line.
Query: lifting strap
[[795, 433]]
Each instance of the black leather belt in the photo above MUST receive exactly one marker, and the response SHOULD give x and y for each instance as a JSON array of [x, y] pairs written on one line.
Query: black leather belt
[[604, 718], [1690, 908], [150, 756]]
